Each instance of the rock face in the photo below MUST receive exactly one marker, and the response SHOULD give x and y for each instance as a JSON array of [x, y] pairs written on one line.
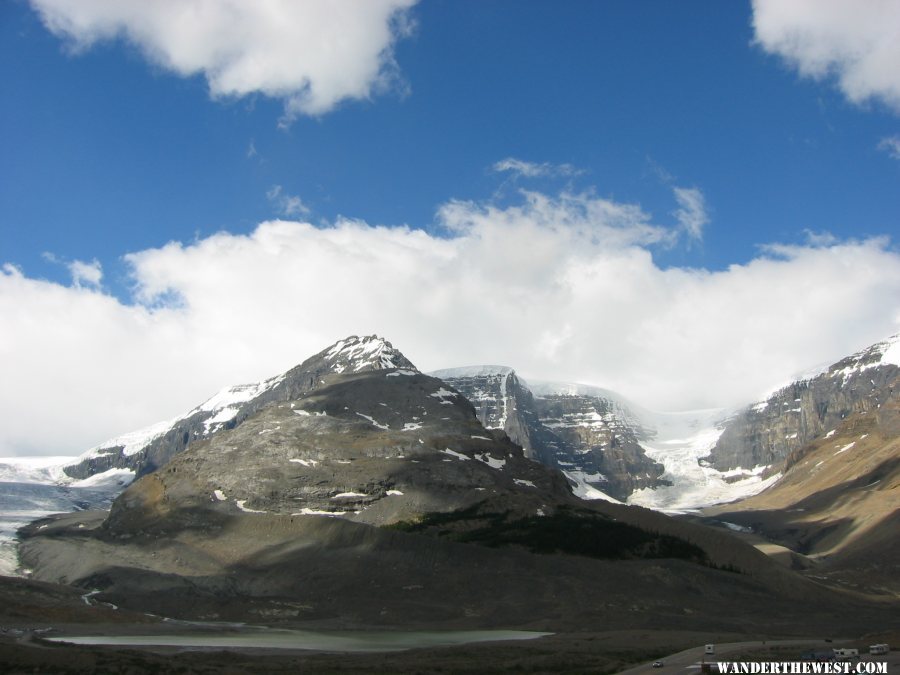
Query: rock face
[[583, 431], [145, 451], [767, 433], [836, 510]]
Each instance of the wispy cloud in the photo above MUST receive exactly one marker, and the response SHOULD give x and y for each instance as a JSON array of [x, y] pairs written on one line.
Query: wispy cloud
[[312, 55], [560, 286], [856, 43], [692, 212], [533, 170], [287, 205], [890, 145], [83, 273]]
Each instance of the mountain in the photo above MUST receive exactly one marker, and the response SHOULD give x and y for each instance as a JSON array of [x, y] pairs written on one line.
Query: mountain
[[146, 450], [586, 432], [835, 512], [372, 495], [762, 436]]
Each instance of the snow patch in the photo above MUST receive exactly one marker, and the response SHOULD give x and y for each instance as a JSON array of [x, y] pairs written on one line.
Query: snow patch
[[308, 463], [444, 393], [221, 417], [111, 478], [240, 504], [219, 495], [317, 512], [394, 493], [891, 354], [385, 427], [584, 491], [458, 455], [490, 461], [522, 481], [845, 448], [347, 495]]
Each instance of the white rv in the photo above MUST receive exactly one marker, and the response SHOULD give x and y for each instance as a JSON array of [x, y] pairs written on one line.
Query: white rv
[[879, 649], [846, 653], [709, 650]]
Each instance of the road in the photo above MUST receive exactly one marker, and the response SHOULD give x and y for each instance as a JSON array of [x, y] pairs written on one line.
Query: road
[[691, 658]]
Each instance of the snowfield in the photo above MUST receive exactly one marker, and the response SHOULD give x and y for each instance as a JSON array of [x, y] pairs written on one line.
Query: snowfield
[[682, 440]]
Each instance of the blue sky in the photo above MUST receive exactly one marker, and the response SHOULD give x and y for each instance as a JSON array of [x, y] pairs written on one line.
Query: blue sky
[[607, 111], [105, 154]]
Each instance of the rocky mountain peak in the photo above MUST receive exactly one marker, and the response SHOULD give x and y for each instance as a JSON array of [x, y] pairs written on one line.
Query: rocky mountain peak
[[356, 354], [884, 353], [767, 433]]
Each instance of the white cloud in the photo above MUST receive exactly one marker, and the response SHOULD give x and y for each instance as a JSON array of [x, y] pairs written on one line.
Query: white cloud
[[692, 213], [857, 43], [559, 286], [86, 273], [82, 273], [890, 145], [533, 170], [312, 54], [287, 205]]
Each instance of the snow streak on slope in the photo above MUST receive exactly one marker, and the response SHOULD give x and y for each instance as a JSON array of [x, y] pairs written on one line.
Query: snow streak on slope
[[681, 440]]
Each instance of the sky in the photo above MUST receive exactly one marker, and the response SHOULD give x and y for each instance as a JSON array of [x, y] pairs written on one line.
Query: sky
[[688, 203]]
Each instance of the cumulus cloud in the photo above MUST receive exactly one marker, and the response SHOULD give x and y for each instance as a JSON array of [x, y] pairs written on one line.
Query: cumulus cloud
[[890, 145], [856, 43], [533, 170], [560, 287], [692, 212], [312, 54], [287, 205]]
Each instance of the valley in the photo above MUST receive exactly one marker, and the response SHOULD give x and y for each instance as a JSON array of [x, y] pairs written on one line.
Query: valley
[[356, 493]]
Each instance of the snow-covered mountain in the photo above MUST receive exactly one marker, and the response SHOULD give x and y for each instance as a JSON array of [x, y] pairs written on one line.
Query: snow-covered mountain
[[146, 450], [762, 436], [608, 446]]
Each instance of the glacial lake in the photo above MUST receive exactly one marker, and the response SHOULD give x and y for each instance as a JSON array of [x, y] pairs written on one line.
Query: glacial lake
[[343, 641]]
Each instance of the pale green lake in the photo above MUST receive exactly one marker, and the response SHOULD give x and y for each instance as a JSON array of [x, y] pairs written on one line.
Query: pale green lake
[[345, 641]]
